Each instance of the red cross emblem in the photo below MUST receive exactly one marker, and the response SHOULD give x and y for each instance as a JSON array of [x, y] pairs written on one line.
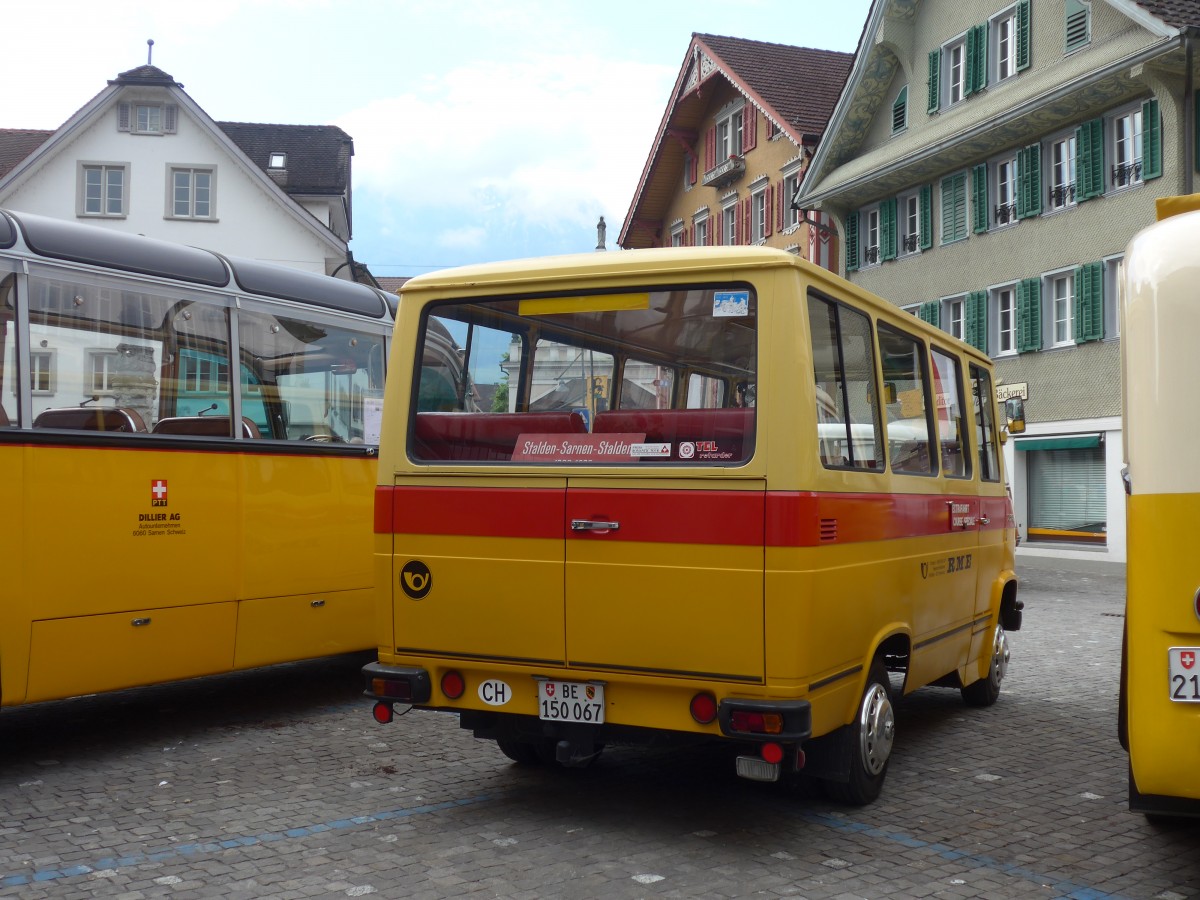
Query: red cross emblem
[[158, 492], [1188, 658]]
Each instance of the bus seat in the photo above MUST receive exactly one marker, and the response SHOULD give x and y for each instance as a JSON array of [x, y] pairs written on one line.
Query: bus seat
[[731, 428], [485, 436], [92, 418], [203, 426]]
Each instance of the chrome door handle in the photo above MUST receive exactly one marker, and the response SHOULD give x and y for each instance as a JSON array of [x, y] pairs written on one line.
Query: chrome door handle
[[591, 525], [984, 520]]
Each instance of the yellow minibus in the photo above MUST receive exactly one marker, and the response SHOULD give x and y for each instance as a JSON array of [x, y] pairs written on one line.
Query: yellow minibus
[[187, 460], [1159, 715], [663, 496]]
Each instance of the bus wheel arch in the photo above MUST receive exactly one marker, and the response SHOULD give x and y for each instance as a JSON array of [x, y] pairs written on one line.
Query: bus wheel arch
[[866, 743], [985, 691]]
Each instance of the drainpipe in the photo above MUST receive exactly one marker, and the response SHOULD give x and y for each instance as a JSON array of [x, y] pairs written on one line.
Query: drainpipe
[[1189, 111]]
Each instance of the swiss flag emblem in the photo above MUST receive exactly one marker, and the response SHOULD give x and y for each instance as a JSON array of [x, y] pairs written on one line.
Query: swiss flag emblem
[[158, 492], [550, 689], [1188, 658]]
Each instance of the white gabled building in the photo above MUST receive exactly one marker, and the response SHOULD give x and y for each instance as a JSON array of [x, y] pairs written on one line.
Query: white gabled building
[[141, 156]]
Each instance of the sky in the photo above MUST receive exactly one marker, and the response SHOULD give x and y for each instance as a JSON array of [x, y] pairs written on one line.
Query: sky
[[482, 130]]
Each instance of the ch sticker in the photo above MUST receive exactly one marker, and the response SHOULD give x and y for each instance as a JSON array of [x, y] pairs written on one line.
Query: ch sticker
[[415, 579]]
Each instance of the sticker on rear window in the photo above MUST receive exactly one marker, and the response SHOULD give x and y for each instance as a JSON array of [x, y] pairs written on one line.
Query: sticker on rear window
[[731, 303]]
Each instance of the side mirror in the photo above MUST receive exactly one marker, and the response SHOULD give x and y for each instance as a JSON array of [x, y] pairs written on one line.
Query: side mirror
[[1014, 412]]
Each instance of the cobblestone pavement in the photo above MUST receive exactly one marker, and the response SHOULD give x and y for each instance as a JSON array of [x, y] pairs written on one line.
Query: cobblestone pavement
[[278, 783]]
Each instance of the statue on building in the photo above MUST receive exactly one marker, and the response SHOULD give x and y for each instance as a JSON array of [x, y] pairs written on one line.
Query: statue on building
[[601, 229]]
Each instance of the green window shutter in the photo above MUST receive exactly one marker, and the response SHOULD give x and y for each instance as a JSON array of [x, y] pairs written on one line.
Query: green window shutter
[[1076, 25], [900, 111], [926, 213], [1029, 314], [887, 229], [1023, 28], [1089, 302], [931, 312], [975, 320], [1151, 141], [976, 59], [935, 64], [1089, 160], [979, 198], [1029, 181], [954, 207], [852, 242]]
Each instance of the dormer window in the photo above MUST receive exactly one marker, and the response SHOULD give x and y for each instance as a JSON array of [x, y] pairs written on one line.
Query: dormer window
[[147, 118], [277, 161]]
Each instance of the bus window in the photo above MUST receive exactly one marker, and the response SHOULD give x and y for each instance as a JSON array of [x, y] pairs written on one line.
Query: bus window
[[705, 392], [844, 374], [645, 385], [310, 378], [42, 363], [908, 427], [985, 424], [952, 432], [570, 378]]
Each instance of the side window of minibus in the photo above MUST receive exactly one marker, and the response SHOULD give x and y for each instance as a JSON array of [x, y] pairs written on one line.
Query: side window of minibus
[[951, 418], [908, 427], [985, 424], [847, 410], [8, 373]]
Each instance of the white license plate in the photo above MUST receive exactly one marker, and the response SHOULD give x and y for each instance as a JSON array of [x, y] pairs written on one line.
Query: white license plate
[[571, 701], [1185, 674]]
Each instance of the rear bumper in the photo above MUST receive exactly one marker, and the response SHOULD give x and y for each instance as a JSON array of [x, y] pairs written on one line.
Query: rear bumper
[[399, 684]]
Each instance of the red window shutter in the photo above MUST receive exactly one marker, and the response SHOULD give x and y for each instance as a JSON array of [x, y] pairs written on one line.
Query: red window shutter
[[769, 212], [693, 166], [749, 128], [710, 148], [782, 201], [744, 237]]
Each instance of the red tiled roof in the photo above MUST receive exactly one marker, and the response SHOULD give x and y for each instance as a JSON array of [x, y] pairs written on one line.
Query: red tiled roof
[[799, 84]]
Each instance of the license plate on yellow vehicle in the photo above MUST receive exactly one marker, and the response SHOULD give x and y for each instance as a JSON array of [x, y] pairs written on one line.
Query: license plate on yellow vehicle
[[571, 701], [1185, 674]]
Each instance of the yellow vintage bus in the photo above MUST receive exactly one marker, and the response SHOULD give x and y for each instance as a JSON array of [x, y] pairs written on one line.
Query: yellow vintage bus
[[676, 495], [187, 460], [1160, 665]]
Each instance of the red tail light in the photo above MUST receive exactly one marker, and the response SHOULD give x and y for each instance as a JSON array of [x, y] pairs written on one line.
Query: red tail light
[[756, 722], [453, 684], [382, 712], [772, 753]]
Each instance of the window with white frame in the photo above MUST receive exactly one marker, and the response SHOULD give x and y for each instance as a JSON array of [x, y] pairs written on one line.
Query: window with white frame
[[100, 371], [908, 215], [1126, 148], [1004, 302], [1003, 33], [277, 160], [700, 224], [677, 234], [41, 371], [955, 56], [729, 215], [1062, 308], [192, 193], [103, 189], [1112, 317], [791, 185], [952, 316], [1061, 168], [870, 236], [729, 135], [1004, 190], [758, 215], [147, 118]]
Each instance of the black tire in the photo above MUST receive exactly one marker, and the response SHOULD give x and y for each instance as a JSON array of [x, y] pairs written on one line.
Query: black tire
[[870, 741], [523, 753], [986, 691]]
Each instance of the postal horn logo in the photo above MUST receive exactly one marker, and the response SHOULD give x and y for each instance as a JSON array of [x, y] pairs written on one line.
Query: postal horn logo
[[416, 579], [924, 570]]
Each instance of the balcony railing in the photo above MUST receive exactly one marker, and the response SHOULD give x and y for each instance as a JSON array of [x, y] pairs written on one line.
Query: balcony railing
[[1126, 174], [910, 242], [1005, 213], [725, 172], [871, 256], [1062, 195]]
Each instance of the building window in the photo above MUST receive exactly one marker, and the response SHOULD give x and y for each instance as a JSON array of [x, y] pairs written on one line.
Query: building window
[[954, 208], [729, 224], [729, 136], [956, 71], [677, 235], [1005, 304], [900, 111], [911, 211], [1004, 189], [1067, 493], [791, 186], [1127, 148], [953, 317], [1004, 45], [759, 216], [100, 371], [192, 193], [42, 371], [1062, 173], [870, 222], [277, 160], [147, 119], [1062, 309], [701, 226], [103, 189]]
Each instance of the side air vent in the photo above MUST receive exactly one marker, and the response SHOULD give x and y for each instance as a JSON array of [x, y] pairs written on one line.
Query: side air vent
[[828, 530]]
